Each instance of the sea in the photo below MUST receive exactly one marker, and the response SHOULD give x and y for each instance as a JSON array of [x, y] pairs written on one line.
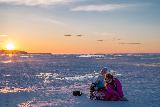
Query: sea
[[48, 80]]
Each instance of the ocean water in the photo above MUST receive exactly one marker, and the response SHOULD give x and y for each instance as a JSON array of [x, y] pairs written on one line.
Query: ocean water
[[41, 80]]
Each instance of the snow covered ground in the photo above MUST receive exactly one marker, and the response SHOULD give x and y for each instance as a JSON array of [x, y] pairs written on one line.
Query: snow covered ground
[[48, 80]]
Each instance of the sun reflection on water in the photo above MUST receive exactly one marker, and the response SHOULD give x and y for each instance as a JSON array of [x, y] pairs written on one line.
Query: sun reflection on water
[[15, 90], [7, 61]]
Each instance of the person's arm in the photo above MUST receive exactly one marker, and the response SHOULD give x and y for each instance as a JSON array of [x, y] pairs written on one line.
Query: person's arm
[[99, 78]]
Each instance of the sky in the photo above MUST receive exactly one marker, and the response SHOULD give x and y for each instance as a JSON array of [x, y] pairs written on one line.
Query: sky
[[81, 26]]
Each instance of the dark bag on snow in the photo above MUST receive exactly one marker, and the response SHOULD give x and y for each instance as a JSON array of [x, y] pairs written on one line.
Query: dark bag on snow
[[77, 93]]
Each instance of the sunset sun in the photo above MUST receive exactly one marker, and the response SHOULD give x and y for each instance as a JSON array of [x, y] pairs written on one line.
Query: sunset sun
[[10, 46]]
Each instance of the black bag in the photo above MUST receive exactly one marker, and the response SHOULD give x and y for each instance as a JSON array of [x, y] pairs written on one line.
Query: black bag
[[77, 93]]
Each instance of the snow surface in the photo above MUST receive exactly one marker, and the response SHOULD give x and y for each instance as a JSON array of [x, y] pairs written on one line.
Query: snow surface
[[49, 80]]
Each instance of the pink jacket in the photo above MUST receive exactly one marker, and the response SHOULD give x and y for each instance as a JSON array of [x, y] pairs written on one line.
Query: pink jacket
[[113, 90]]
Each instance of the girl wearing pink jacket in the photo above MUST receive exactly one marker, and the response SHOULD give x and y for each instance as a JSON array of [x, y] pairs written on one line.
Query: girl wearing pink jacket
[[112, 91]]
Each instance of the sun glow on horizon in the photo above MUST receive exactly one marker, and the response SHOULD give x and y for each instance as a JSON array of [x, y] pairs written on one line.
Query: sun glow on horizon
[[10, 46]]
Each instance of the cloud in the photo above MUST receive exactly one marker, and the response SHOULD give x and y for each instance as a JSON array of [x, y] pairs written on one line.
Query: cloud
[[68, 35], [100, 40], [79, 35], [134, 43], [100, 8], [35, 2], [3, 35]]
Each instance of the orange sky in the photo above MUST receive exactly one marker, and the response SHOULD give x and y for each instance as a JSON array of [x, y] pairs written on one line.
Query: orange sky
[[132, 27]]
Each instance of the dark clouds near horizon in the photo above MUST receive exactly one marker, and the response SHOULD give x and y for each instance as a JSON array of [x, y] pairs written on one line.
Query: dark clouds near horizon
[[131, 43]]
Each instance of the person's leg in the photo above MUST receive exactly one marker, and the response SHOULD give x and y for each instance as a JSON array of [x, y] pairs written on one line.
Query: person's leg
[[111, 96], [107, 96], [114, 98]]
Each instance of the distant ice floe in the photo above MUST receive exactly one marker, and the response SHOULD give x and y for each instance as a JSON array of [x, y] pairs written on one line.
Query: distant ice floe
[[25, 56], [135, 55], [6, 61], [151, 58], [149, 65], [118, 55], [91, 55]]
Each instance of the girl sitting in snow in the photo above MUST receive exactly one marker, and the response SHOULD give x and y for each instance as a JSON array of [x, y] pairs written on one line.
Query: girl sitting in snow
[[112, 91]]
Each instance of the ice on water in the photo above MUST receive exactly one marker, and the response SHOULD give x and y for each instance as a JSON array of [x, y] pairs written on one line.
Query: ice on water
[[48, 80]]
